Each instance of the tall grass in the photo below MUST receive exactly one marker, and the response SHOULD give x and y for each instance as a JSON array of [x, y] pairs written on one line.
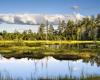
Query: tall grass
[[9, 77]]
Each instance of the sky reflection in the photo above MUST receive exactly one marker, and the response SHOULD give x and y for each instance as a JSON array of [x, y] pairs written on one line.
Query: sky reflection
[[46, 67]]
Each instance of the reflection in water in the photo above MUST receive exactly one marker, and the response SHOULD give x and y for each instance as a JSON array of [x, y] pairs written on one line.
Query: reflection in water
[[70, 69], [73, 46], [47, 67]]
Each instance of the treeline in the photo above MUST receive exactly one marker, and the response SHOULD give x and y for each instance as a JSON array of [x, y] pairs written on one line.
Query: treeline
[[86, 29]]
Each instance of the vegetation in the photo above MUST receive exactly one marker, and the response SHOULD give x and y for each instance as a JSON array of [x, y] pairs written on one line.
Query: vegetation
[[74, 36], [40, 49], [86, 29], [72, 40], [9, 77]]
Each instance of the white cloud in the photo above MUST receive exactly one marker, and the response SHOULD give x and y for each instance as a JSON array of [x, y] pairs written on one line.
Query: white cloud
[[35, 18]]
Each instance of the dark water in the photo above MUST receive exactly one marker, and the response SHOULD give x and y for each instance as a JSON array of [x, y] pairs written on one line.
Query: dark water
[[46, 68]]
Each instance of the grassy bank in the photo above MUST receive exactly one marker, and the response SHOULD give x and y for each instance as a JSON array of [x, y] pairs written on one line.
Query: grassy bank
[[40, 52], [50, 42], [40, 49]]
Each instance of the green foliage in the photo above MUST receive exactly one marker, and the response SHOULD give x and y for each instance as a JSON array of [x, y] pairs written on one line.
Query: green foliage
[[86, 29]]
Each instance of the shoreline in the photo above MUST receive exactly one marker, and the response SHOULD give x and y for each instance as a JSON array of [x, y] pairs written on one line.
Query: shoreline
[[42, 48]]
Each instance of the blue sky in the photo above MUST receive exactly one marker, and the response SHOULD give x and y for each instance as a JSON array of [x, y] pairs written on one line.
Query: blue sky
[[87, 7]]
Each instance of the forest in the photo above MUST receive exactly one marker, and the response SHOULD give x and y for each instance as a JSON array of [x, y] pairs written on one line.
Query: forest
[[86, 29]]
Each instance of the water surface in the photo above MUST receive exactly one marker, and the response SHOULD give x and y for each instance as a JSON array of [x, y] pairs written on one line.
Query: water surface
[[46, 68]]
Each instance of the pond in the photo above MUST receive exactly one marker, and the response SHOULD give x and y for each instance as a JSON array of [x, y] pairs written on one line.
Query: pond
[[48, 67]]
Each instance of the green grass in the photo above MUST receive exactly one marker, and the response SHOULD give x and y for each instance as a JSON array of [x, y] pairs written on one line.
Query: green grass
[[14, 51], [37, 47], [51, 42]]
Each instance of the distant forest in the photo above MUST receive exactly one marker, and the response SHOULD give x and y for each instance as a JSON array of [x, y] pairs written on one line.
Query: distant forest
[[86, 29]]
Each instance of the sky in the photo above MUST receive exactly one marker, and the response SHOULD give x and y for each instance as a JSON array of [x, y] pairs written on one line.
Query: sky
[[87, 7]]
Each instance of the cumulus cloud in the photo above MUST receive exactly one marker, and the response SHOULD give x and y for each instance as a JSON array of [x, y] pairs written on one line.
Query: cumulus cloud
[[34, 18]]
